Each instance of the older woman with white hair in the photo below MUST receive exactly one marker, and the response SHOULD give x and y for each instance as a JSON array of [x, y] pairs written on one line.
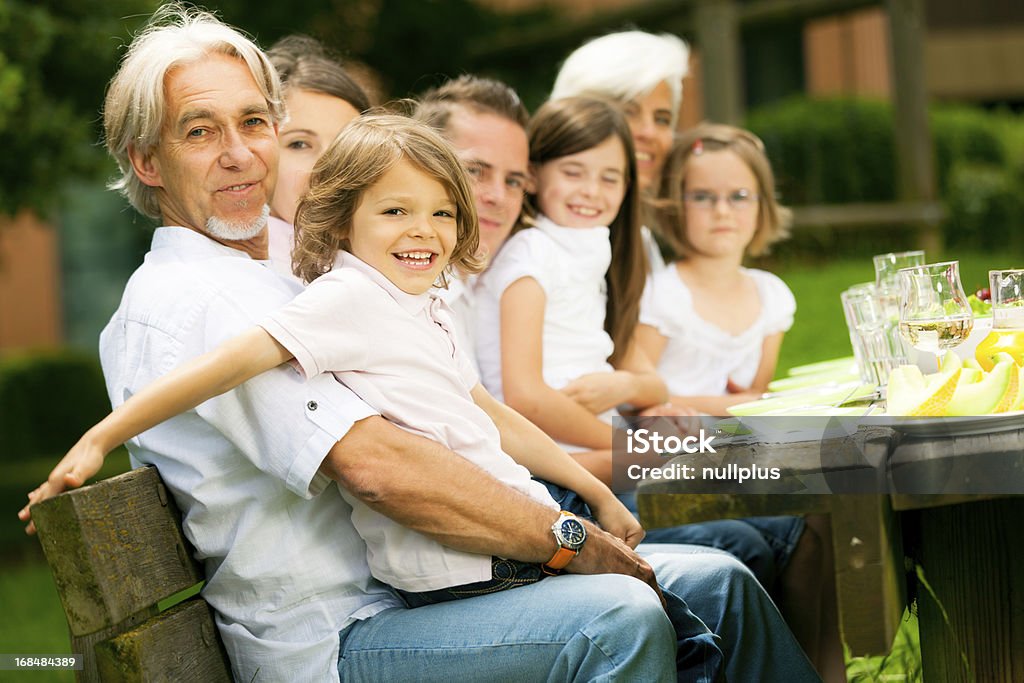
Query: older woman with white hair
[[645, 72]]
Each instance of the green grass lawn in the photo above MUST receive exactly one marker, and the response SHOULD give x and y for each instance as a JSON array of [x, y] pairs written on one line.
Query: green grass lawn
[[33, 621], [902, 665]]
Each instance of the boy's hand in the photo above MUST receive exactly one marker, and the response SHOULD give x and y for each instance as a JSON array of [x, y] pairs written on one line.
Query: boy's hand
[[600, 391], [617, 520], [81, 462]]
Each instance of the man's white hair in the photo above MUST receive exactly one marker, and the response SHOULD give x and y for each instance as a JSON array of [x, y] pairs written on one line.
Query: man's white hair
[[134, 110], [624, 66]]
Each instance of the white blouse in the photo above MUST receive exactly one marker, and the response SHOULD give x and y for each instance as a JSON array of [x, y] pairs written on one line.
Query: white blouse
[[569, 264], [700, 357]]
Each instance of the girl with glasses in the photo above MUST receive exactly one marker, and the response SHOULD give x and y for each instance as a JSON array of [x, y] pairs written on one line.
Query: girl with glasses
[[713, 327]]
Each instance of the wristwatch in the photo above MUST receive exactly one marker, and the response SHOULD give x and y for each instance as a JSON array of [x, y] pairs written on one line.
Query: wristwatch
[[570, 534]]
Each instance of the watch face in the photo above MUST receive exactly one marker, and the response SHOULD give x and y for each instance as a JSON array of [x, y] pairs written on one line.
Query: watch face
[[573, 532]]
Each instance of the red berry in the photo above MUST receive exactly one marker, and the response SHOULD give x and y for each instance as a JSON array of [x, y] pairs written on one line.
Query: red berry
[[984, 294]]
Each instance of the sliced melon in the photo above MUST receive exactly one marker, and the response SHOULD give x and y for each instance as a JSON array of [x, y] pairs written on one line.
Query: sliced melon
[[996, 392], [910, 393], [1008, 402], [1018, 403], [950, 362], [971, 375]]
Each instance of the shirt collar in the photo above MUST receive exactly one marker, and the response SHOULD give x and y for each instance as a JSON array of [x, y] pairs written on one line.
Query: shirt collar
[[459, 287], [590, 248], [184, 239], [412, 303]]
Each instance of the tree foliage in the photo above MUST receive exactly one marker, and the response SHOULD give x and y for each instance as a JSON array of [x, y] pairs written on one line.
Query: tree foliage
[[55, 59], [409, 45]]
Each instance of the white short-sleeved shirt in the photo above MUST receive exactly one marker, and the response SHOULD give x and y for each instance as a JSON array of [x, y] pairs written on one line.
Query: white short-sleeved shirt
[[285, 569], [397, 351], [570, 265], [699, 357]]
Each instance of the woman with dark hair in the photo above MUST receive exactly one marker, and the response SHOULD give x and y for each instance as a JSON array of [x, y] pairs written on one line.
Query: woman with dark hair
[[321, 98]]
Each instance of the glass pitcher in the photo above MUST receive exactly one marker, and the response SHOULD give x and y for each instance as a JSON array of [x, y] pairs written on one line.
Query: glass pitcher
[[1007, 335]]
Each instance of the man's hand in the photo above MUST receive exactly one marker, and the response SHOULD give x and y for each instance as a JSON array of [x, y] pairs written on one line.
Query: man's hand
[[605, 554], [81, 462]]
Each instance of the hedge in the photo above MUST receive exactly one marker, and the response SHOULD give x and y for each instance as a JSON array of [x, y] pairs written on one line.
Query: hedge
[[836, 151], [48, 398]]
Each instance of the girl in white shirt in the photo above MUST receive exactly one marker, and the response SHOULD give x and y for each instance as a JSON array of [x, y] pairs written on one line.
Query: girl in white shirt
[[713, 327], [388, 214], [557, 309], [558, 306]]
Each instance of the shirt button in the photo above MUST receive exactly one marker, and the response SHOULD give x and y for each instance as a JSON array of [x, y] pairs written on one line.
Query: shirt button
[[312, 405]]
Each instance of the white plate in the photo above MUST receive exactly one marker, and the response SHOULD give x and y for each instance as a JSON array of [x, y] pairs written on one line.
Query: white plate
[[809, 397], [959, 426]]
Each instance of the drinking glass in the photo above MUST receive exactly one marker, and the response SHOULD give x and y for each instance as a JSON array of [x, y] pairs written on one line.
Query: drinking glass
[[934, 313], [1007, 287], [887, 282], [887, 265], [870, 337]]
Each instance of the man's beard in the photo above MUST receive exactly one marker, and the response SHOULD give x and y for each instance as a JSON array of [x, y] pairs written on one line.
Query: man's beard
[[237, 231]]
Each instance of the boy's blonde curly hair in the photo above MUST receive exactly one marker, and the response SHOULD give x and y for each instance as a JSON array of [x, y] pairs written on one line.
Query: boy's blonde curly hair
[[362, 153]]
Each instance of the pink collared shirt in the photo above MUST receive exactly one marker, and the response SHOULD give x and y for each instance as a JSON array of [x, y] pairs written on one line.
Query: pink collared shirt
[[398, 352]]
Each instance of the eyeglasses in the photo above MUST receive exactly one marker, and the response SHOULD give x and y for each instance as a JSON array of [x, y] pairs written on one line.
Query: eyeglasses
[[738, 200]]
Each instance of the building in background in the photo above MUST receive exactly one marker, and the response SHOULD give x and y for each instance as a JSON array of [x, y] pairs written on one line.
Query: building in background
[[31, 313]]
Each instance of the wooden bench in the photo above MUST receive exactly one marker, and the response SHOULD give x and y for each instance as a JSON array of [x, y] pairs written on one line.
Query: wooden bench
[[116, 551]]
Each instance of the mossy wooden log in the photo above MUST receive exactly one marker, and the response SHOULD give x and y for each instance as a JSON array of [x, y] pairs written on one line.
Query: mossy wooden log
[[179, 645], [116, 549]]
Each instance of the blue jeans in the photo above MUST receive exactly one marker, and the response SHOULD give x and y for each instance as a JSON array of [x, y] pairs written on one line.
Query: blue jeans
[[573, 627], [505, 574], [763, 544]]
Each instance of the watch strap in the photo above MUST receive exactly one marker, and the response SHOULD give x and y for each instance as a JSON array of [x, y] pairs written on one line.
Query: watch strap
[[559, 560]]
